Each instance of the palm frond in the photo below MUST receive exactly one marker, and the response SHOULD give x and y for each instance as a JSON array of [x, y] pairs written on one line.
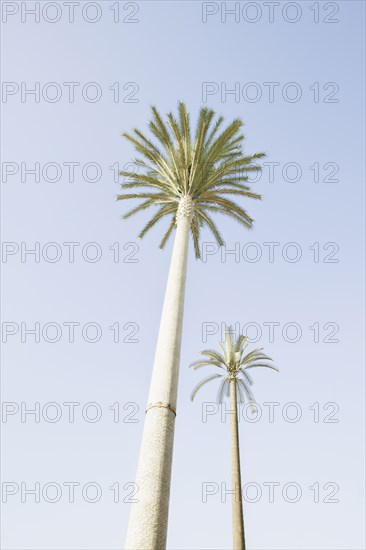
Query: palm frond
[[185, 129], [248, 379], [167, 233], [256, 352], [142, 206], [152, 196], [211, 225], [208, 168], [242, 221], [247, 391], [266, 365], [239, 394], [198, 364], [235, 364], [164, 211], [213, 355], [195, 231], [229, 206], [160, 164], [203, 382], [160, 130], [240, 192], [222, 143], [222, 388], [214, 131], [229, 343], [241, 342]]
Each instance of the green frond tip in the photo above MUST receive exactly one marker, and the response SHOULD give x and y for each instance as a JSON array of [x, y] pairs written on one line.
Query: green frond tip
[[202, 383], [234, 360], [207, 165]]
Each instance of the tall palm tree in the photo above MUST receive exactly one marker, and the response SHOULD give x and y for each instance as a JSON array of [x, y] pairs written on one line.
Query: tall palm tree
[[235, 383], [187, 178]]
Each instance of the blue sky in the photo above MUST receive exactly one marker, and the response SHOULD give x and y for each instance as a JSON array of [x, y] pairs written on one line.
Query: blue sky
[[315, 200]]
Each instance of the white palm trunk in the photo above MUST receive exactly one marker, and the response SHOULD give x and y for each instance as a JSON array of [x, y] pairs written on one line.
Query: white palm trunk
[[148, 524], [237, 502]]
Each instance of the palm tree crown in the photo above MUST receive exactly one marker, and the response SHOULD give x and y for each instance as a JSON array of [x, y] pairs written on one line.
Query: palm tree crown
[[235, 363], [176, 171]]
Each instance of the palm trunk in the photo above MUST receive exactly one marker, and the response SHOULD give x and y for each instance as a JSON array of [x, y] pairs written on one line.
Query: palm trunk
[[148, 523], [237, 502]]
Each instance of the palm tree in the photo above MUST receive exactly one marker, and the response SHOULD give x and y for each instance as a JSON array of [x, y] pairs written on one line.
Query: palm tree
[[235, 383], [188, 179]]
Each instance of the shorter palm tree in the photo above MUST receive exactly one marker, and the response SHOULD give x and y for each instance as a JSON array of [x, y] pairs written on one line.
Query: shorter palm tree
[[235, 383]]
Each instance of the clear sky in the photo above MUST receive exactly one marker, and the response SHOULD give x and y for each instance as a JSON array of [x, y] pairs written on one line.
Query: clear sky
[[297, 73]]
